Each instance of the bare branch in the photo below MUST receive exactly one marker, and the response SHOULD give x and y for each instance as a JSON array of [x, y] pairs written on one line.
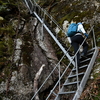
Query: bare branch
[[36, 82]]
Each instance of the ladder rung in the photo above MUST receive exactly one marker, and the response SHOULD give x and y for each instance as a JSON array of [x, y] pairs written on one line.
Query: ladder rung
[[75, 75], [90, 53], [87, 56], [85, 60], [67, 92], [54, 93], [71, 83], [84, 66], [91, 50]]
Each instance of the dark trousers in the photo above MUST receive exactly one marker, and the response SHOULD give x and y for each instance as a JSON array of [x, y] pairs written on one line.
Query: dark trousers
[[76, 42]]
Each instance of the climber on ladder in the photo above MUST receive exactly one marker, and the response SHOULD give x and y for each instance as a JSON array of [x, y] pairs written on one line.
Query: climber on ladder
[[76, 39]]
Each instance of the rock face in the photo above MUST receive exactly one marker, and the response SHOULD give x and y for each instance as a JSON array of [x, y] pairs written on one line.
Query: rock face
[[34, 46], [36, 50], [43, 53]]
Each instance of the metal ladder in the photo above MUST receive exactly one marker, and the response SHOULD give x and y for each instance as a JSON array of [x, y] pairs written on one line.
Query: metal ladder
[[71, 86], [75, 82]]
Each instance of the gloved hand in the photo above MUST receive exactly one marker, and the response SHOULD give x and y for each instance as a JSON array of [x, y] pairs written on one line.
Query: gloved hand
[[86, 35]]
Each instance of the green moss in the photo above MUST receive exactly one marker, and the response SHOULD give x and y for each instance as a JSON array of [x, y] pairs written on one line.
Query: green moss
[[10, 44], [96, 75], [2, 46], [60, 34], [98, 59], [7, 30], [68, 17]]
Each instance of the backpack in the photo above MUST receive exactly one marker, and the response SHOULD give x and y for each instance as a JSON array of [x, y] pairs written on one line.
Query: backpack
[[72, 29]]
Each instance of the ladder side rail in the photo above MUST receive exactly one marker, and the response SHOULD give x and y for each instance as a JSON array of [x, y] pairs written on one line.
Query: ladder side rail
[[86, 75], [77, 78], [93, 40], [31, 6], [26, 2], [59, 75]]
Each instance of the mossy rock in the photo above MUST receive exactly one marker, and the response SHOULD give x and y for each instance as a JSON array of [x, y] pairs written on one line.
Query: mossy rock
[[7, 30]]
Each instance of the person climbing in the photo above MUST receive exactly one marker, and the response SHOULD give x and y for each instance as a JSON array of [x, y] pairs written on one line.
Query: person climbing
[[77, 39]]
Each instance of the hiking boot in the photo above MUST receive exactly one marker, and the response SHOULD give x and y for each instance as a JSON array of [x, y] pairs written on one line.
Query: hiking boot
[[82, 55]]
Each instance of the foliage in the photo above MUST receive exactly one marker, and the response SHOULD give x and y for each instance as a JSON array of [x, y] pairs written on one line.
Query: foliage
[[92, 92], [6, 36], [8, 8]]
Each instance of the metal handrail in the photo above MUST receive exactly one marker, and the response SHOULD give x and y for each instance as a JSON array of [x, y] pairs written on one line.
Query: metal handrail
[[94, 39]]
